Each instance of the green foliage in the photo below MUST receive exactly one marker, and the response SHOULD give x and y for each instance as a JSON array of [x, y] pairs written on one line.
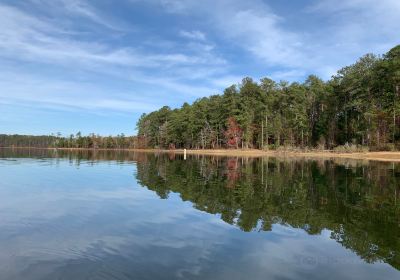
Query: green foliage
[[360, 105], [91, 141]]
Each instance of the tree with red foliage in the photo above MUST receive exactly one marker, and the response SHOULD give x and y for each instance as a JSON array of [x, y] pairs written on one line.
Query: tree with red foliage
[[233, 133]]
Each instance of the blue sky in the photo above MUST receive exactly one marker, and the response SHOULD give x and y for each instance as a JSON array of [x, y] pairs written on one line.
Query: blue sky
[[96, 66]]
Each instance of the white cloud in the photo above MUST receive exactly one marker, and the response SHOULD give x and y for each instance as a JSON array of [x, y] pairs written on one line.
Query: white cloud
[[194, 35], [261, 34], [79, 8], [175, 86], [26, 37], [251, 25], [361, 22], [345, 31], [59, 94], [385, 6]]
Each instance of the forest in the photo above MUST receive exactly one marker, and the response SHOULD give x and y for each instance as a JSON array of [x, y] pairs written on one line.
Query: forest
[[358, 108], [91, 141]]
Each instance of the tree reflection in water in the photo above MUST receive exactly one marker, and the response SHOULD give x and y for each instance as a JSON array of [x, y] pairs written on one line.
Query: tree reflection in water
[[358, 201]]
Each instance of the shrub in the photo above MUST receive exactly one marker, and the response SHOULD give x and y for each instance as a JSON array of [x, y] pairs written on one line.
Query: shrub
[[351, 148]]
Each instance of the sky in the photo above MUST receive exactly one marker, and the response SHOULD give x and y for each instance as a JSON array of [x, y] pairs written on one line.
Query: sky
[[96, 66]]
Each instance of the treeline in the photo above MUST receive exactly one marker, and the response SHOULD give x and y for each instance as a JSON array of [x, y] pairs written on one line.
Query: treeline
[[91, 141], [43, 141], [360, 105]]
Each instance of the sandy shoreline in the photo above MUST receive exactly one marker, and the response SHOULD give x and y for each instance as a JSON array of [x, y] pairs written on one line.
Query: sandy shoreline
[[378, 156]]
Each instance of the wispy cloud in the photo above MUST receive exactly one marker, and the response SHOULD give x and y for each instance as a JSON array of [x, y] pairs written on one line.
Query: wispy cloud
[[26, 37], [251, 24], [82, 8], [61, 94], [40, 38], [361, 22], [195, 35], [79, 8], [346, 29]]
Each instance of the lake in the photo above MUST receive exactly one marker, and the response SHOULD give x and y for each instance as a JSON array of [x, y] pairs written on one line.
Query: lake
[[126, 215]]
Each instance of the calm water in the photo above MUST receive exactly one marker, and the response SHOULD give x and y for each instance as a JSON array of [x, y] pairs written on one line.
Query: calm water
[[110, 215]]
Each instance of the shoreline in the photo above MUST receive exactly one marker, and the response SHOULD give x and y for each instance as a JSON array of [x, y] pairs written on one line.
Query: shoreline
[[377, 156], [327, 154]]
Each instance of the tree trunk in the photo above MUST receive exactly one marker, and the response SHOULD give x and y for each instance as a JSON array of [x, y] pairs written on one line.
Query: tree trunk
[[279, 139], [262, 135], [394, 113], [377, 138], [266, 130]]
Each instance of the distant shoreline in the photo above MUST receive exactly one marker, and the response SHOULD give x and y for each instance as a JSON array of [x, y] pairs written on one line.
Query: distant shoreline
[[377, 156]]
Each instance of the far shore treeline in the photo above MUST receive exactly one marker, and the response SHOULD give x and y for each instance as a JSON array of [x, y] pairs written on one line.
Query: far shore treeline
[[357, 109], [91, 141]]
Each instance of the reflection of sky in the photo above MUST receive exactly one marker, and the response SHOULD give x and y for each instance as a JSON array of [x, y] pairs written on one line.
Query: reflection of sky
[[58, 221]]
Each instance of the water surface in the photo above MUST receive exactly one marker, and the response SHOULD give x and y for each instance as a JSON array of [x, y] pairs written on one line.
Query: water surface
[[125, 215]]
